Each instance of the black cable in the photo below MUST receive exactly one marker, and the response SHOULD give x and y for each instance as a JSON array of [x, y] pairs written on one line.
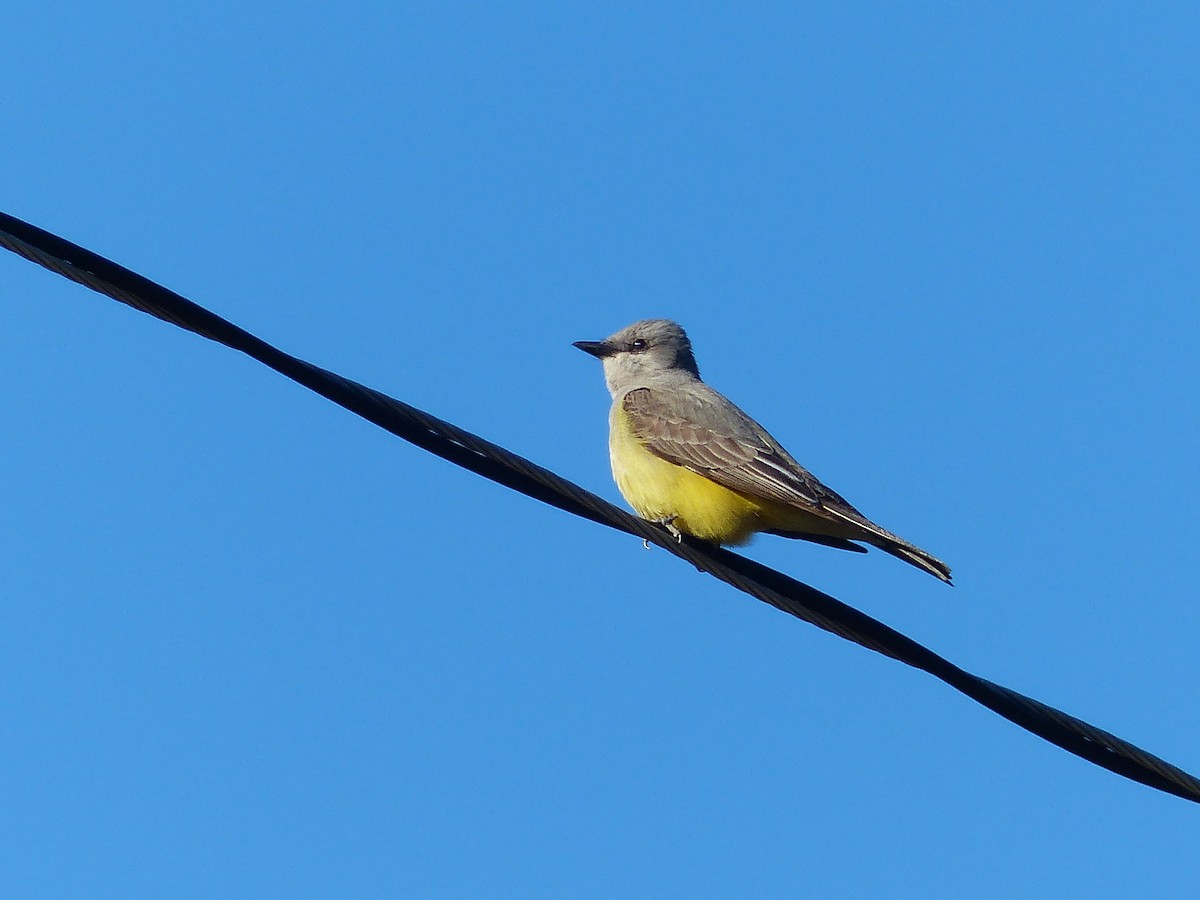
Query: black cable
[[487, 459]]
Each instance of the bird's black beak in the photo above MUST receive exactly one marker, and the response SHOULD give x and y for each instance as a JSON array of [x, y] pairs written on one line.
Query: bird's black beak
[[598, 349]]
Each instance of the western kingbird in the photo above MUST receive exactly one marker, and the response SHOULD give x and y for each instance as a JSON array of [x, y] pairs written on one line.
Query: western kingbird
[[685, 457]]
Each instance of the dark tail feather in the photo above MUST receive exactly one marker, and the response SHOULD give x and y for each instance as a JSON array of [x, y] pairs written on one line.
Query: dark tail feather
[[901, 550], [888, 542], [919, 558]]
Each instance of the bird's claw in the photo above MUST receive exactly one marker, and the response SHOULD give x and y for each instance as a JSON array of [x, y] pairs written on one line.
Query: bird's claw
[[668, 522]]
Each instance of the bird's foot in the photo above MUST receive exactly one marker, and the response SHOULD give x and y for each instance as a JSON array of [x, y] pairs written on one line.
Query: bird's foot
[[668, 522]]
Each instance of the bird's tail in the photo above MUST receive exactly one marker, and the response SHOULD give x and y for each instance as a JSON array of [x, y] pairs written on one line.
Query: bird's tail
[[872, 534], [917, 557]]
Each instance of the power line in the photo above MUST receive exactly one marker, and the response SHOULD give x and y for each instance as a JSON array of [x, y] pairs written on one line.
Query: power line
[[491, 461]]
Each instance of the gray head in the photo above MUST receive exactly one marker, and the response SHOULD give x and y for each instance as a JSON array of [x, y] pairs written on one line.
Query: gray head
[[650, 350]]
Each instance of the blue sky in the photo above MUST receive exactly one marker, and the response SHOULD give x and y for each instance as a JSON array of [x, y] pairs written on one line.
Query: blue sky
[[253, 646]]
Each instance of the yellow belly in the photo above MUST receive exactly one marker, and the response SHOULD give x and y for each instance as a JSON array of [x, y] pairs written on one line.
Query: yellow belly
[[657, 489]]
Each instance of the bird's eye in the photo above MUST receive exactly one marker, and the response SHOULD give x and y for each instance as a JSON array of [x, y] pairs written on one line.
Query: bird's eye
[[639, 344]]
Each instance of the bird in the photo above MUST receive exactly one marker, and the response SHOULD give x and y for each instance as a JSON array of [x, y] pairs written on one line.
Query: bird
[[685, 457]]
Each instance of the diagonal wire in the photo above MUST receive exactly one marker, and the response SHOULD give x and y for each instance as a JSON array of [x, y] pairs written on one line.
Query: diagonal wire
[[494, 462]]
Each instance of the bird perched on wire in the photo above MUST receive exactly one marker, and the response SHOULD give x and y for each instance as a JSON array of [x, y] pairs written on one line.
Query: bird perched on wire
[[686, 457]]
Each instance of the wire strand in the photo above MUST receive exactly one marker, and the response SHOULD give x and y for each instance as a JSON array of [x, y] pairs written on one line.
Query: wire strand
[[494, 462]]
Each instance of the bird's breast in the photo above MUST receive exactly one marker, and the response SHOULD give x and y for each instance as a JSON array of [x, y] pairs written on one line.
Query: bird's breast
[[656, 488]]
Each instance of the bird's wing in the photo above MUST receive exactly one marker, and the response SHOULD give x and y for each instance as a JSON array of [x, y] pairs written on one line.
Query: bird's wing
[[699, 429], [702, 431]]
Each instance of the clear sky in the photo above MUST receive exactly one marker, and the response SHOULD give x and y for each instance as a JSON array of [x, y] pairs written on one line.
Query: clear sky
[[251, 646]]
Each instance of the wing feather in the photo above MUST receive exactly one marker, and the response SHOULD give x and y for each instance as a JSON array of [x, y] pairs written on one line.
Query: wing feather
[[701, 430]]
